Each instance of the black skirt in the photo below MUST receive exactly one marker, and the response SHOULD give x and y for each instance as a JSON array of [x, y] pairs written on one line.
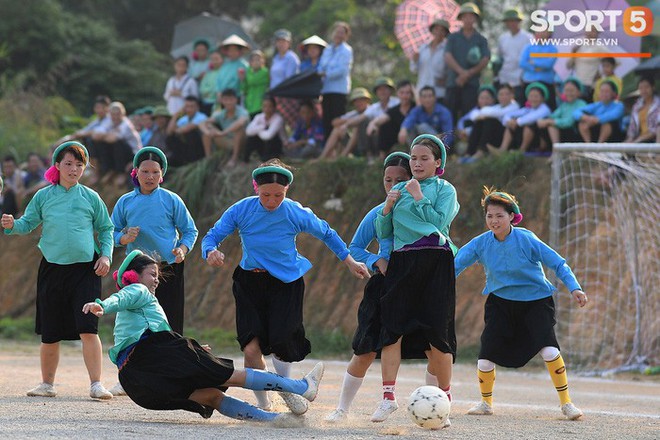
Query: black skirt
[[516, 331], [62, 290], [368, 331], [171, 294], [420, 300], [164, 369], [271, 310]]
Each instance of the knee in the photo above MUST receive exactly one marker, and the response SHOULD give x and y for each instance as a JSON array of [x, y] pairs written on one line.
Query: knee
[[485, 365], [549, 353], [252, 351]]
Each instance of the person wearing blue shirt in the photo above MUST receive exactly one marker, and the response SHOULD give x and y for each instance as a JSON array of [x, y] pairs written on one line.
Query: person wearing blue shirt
[[285, 64], [539, 69], [428, 117], [335, 68], [520, 311], [601, 120], [268, 282], [184, 140], [312, 49]]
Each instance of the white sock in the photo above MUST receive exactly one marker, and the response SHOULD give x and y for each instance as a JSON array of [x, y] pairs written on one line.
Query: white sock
[[282, 368], [263, 401], [349, 389], [431, 379]]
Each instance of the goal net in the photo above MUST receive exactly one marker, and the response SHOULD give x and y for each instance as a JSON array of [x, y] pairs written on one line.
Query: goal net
[[605, 220]]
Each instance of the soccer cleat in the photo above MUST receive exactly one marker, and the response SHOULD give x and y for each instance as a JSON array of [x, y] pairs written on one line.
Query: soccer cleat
[[313, 379], [43, 390], [571, 411], [481, 409], [384, 410], [98, 391], [117, 390], [296, 404], [336, 416]]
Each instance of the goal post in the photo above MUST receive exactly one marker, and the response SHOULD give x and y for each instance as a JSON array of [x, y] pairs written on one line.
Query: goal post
[[605, 220]]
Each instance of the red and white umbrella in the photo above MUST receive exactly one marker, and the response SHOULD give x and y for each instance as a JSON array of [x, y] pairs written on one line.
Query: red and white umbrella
[[413, 17]]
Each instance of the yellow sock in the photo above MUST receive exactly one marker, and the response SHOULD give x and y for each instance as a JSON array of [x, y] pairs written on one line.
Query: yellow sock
[[557, 371], [486, 385]]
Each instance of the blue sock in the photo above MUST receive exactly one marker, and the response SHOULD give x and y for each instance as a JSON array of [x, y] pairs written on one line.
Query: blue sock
[[238, 409], [265, 381]]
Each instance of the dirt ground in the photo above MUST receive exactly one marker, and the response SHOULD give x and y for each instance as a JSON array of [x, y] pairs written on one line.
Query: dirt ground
[[526, 407]]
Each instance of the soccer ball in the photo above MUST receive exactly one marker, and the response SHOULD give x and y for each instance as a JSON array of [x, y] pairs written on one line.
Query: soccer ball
[[429, 407]]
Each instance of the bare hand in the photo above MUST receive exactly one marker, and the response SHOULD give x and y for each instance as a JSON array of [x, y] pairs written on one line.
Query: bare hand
[[180, 255], [391, 199], [215, 258], [102, 266], [414, 189], [7, 221], [360, 270], [131, 234], [381, 264], [94, 308], [580, 297]]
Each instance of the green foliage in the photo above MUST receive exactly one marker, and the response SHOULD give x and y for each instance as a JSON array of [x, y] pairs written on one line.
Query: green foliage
[[21, 329], [329, 343]]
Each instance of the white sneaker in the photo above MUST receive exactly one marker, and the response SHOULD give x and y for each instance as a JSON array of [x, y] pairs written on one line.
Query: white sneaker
[[481, 409], [336, 416], [296, 403], [117, 390], [384, 410], [313, 379], [98, 391], [43, 390], [571, 411]]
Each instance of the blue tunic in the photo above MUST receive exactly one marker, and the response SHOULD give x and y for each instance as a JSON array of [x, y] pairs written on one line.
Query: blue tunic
[[364, 235]]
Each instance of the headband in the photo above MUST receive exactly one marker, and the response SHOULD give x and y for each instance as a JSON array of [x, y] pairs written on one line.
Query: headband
[[488, 88], [537, 85], [400, 154], [119, 274], [517, 215], [575, 81], [438, 142], [155, 150], [68, 144], [273, 169], [612, 84]]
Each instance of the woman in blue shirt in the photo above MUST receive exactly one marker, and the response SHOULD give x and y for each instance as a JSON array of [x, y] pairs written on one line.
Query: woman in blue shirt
[[285, 64], [601, 120], [520, 310], [268, 282]]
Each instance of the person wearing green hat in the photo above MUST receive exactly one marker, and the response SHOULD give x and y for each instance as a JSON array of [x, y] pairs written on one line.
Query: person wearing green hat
[[466, 55], [268, 281], [509, 48], [418, 301], [199, 59], [560, 125], [521, 128], [161, 118], [232, 48], [344, 134], [601, 120], [429, 61], [76, 243]]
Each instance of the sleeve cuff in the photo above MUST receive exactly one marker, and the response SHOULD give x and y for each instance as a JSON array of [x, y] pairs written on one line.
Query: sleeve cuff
[[423, 201]]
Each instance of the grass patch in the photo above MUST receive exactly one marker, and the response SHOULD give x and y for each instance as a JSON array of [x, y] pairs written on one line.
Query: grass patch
[[17, 329]]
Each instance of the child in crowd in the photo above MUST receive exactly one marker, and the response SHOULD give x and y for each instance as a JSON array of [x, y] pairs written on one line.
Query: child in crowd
[[200, 59], [306, 141], [365, 342], [268, 282], [162, 370], [265, 134], [485, 98], [419, 297], [520, 310], [208, 86], [607, 66], [72, 264]]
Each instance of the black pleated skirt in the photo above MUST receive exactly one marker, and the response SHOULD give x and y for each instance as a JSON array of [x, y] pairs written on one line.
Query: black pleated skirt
[[516, 331]]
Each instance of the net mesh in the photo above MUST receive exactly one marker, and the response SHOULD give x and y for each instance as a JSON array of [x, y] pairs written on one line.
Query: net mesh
[[605, 218]]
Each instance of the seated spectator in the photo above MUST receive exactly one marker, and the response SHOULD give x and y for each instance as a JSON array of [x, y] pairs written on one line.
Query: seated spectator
[[179, 86], [307, 138], [117, 144], [645, 113], [428, 117], [312, 49], [607, 66], [208, 86], [601, 120], [33, 177], [14, 187], [367, 144], [487, 127], [184, 140], [99, 123], [388, 124], [200, 59], [161, 119], [360, 98], [232, 49], [147, 124], [226, 128], [265, 134], [560, 125], [520, 125], [254, 83], [485, 98]]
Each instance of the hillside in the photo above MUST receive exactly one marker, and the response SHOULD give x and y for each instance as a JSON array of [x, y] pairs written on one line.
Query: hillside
[[332, 293]]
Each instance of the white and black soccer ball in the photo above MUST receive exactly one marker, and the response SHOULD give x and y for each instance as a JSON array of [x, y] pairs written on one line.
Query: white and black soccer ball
[[429, 407]]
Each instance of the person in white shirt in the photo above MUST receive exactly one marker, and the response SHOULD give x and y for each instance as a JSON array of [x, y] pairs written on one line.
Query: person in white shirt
[[179, 86], [509, 47], [265, 134], [429, 62]]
